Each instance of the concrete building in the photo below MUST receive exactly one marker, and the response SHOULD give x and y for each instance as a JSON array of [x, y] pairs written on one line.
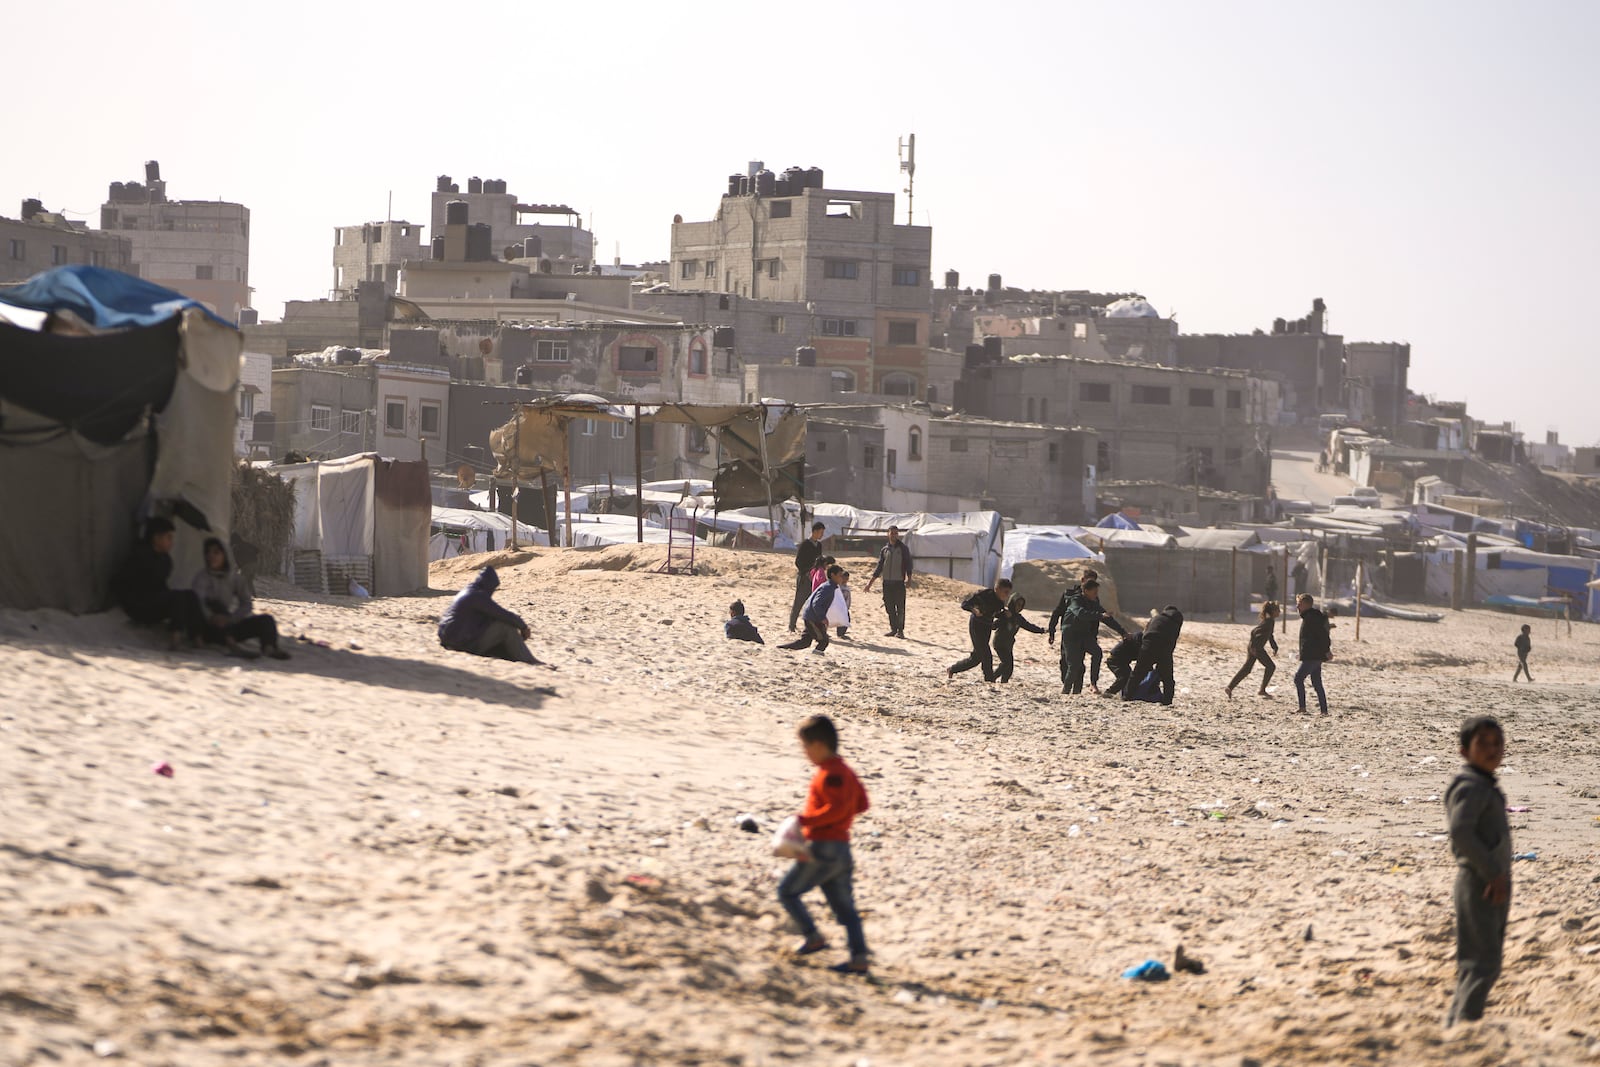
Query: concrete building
[[338, 409], [1380, 370], [765, 332], [1307, 359], [906, 458], [1069, 322], [254, 436], [357, 321], [374, 252], [201, 248], [568, 247], [863, 277], [832, 385], [1155, 423], [1168, 502], [41, 240]]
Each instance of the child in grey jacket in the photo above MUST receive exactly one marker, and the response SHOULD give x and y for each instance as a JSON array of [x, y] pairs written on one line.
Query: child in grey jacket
[[225, 607], [1480, 838]]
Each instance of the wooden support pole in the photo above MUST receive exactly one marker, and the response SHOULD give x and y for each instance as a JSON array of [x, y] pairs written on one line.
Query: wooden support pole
[[638, 475], [516, 477], [1233, 586], [566, 479], [547, 506], [1360, 568]]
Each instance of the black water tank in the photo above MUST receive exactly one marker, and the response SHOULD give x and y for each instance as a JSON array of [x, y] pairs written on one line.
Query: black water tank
[[805, 356], [744, 185], [480, 242], [31, 207], [722, 337], [474, 185], [152, 171], [455, 213], [249, 316], [532, 247], [796, 177], [813, 177], [454, 188], [437, 246], [766, 183], [783, 188], [994, 283], [525, 375], [116, 193], [975, 357], [991, 349], [733, 184], [443, 185], [952, 279]]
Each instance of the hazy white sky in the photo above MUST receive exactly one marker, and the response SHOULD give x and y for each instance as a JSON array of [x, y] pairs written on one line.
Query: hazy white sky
[[1427, 168]]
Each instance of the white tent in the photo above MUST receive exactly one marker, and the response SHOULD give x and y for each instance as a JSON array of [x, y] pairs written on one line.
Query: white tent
[[1040, 542], [362, 518], [458, 532]]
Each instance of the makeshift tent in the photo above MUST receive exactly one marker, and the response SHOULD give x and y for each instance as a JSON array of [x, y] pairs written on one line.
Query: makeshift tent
[[1040, 542], [460, 532], [963, 545], [361, 518], [1117, 521], [123, 405]]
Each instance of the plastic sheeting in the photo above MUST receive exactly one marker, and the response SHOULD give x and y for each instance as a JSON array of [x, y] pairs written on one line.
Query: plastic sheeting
[[459, 531], [962, 545], [1040, 542]]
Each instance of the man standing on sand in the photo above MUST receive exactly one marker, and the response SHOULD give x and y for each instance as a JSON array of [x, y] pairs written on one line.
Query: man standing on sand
[[806, 557], [1316, 648], [894, 567]]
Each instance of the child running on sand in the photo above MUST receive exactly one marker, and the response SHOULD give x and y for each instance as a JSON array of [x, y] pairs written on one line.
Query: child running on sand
[[1480, 838], [739, 627], [1260, 637], [835, 798], [1006, 625], [1524, 645]]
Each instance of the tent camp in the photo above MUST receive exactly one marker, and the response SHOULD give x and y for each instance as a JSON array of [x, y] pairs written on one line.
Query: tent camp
[[361, 518], [1040, 542], [964, 545], [463, 531], [122, 405]]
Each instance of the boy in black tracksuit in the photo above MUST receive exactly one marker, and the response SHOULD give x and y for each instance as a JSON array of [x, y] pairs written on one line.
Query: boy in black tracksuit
[[1006, 625], [983, 607], [1095, 654], [1160, 642], [1524, 645], [1121, 660], [1480, 839], [1081, 619]]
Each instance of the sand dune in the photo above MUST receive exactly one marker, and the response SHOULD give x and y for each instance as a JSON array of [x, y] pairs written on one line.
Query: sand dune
[[381, 852]]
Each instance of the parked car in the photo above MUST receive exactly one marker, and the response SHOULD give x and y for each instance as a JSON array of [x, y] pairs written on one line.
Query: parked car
[[1348, 502], [1367, 495]]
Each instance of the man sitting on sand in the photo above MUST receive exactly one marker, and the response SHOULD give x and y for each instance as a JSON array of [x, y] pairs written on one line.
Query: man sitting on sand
[[475, 623], [141, 589]]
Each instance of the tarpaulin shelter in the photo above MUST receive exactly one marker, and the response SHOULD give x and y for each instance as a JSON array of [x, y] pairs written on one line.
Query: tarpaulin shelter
[[965, 545], [121, 406], [1040, 542], [363, 518], [462, 531]]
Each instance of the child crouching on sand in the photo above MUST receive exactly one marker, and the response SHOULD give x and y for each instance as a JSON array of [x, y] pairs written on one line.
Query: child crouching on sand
[[835, 798], [739, 627]]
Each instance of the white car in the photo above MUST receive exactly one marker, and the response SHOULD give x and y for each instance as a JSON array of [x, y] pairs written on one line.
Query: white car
[[1367, 496]]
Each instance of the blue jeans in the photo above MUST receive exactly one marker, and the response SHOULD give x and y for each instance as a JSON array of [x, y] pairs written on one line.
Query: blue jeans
[[830, 869], [1311, 669]]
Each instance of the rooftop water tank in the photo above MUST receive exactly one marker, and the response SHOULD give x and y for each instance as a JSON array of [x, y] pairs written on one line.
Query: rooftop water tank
[[455, 213], [952, 279], [443, 185], [437, 247], [813, 177], [474, 185]]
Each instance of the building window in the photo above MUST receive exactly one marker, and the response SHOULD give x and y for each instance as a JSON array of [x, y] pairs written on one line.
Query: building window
[[697, 360], [19, 249], [1202, 398], [711, 270], [1044, 409], [1152, 394], [203, 273], [550, 352], [637, 359], [394, 416], [869, 457], [428, 417], [699, 441], [247, 404], [586, 427], [349, 421], [619, 430], [405, 231], [958, 444], [839, 327], [841, 269], [1235, 399], [1054, 451], [780, 209], [1102, 458], [899, 384], [689, 268], [914, 443], [647, 437], [775, 323], [889, 463], [58, 254], [902, 333], [842, 381], [1094, 392], [321, 417], [907, 276]]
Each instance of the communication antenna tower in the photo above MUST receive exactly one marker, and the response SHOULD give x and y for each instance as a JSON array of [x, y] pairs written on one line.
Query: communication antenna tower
[[908, 163]]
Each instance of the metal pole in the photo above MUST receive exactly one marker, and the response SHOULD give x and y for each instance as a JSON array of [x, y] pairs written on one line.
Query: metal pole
[[516, 477], [547, 506], [566, 477], [1283, 616], [766, 474], [1360, 568], [638, 474]]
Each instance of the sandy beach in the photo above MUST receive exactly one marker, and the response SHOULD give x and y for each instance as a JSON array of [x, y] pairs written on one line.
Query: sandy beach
[[381, 852]]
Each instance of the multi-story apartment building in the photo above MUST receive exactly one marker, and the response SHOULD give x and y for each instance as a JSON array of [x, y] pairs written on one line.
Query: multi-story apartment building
[[201, 248], [862, 278], [374, 252], [42, 239]]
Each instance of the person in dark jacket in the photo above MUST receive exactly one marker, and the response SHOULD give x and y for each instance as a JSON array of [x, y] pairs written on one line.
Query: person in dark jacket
[[894, 567], [1095, 652], [1523, 644], [806, 556], [814, 616], [1316, 648], [475, 623], [983, 607], [739, 627], [1260, 637], [1480, 840], [1124, 654], [1081, 619], [226, 607], [140, 587], [1006, 625], [1156, 652]]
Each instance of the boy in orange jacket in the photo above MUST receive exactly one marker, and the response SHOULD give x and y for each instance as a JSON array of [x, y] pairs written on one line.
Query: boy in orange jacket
[[835, 798]]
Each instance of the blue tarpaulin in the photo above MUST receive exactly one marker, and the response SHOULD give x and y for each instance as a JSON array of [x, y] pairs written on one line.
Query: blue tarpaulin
[[1117, 521], [108, 299]]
